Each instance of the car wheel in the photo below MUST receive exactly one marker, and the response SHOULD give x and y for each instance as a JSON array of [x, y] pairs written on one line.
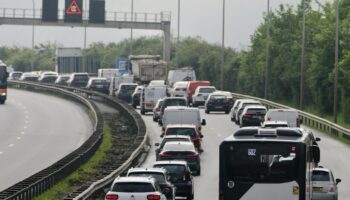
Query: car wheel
[[227, 111], [2, 101], [199, 172], [155, 119], [142, 111], [232, 119], [134, 106], [207, 111], [190, 197]]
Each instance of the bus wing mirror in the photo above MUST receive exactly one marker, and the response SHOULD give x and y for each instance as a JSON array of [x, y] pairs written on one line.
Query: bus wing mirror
[[338, 180], [204, 122], [318, 139], [316, 153]]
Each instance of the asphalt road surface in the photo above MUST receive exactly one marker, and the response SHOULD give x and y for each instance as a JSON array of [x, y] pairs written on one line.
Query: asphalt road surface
[[36, 130], [334, 154]]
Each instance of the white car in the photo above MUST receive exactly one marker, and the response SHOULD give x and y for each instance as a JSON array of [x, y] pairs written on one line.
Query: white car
[[135, 188], [201, 94], [242, 105], [179, 89], [324, 185], [291, 116]]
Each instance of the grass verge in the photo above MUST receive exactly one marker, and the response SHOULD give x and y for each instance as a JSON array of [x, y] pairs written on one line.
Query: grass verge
[[83, 173]]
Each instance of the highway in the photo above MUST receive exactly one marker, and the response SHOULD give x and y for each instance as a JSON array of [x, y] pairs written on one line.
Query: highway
[[36, 131], [219, 126]]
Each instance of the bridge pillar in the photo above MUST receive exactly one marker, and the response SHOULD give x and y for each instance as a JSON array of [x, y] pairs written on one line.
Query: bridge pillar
[[166, 42]]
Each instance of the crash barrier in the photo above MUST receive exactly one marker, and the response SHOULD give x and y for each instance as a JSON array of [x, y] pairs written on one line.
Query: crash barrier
[[308, 119]]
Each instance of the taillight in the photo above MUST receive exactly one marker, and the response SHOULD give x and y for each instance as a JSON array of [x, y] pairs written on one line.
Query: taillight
[[112, 196], [331, 189], [157, 109], [193, 155], [247, 116], [153, 197], [164, 155]]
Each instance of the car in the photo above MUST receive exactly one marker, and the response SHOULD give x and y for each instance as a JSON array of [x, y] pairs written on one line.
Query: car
[[201, 94], [98, 85], [187, 130], [291, 116], [15, 75], [179, 89], [135, 97], [156, 110], [125, 91], [180, 176], [191, 88], [160, 174], [29, 76], [182, 151], [234, 109], [218, 101], [149, 97], [48, 77], [242, 105], [78, 80], [274, 124], [172, 101], [252, 115], [324, 186], [135, 188], [170, 138], [181, 115], [62, 79]]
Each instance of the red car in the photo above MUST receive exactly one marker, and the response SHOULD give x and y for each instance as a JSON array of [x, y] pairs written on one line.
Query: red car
[[185, 129], [191, 88]]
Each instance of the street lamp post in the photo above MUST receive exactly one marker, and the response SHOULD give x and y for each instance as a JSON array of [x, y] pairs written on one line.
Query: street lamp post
[[267, 50], [301, 100], [131, 30], [178, 33], [33, 36], [222, 47], [335, 101]]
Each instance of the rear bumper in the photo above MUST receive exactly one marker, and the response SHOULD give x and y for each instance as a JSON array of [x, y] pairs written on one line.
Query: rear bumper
[[323, 196], [218, 107], [250, 122], [183, 189]]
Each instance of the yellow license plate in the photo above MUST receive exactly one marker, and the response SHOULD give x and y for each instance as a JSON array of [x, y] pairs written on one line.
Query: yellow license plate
[[317, 189]]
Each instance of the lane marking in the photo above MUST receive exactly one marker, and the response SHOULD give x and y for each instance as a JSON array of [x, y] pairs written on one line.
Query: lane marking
[[27, 116], [25, 127], [18, 138], [22, 132], [11, 145], [1, 152], [27, 121]]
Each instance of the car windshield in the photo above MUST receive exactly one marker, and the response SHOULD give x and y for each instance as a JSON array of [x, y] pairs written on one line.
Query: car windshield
[[320, 175], [136, 187], [81, 77], [207, 90], [181, 131], [158, 176], [64, 78], [175, 102], [256, 111]]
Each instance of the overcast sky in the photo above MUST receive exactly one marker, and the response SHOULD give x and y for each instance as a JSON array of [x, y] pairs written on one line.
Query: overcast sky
[[198, 18]]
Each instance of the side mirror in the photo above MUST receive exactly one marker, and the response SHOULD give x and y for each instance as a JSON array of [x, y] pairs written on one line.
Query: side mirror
[[338, 180], [204, 122], [316, 153], [156, 144], [160, 123], [318, 139]]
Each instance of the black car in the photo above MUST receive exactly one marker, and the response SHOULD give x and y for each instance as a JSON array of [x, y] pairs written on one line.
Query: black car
[[182, 151], [125, 91], [79, 80], [253, 116], [135, 97], [180, 176], [218, 102], [98, 85]]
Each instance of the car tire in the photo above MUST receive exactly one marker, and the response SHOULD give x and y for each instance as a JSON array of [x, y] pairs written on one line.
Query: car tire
[[190, 197], [142, 111], [207, 111], [155, 119], [2, 101], [227, 111]]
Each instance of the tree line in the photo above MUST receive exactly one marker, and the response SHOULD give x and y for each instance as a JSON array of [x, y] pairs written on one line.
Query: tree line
[[244, 70]]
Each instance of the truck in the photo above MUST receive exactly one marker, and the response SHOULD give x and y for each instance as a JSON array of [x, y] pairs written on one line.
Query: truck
[[108, 73], [181, 74], [3, 82], [147, 67]]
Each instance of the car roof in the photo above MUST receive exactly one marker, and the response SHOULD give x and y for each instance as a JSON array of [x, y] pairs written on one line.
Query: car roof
[[128, 84], [182, 98], [203, 86], [181, 126], [180, 108], [225, 93], [321, 169], [80, 73], [151, 170], [134, 179], [178, 146], [177, 136], [275, 122], [255, 107], [170, 162], [283, 110], [98, 78]]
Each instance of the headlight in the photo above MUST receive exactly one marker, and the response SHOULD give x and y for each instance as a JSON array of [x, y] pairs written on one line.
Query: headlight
[[3, 94]]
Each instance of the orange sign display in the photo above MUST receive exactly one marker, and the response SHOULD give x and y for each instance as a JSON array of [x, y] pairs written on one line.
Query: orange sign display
[[73, 9]]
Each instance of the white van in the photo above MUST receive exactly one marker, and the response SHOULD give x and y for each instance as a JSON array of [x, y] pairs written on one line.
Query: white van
[[291, 116], [181, 115], [150, 96]]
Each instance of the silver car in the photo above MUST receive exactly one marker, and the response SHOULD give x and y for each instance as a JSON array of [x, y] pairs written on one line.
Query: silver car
[[324, 185]]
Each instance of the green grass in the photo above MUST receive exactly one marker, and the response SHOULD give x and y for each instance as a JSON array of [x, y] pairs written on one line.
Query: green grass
[[83, 173]]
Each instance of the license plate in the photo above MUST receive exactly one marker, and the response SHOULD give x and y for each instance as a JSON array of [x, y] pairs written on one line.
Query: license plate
[[217, 107], [99, 86], [317, 189]]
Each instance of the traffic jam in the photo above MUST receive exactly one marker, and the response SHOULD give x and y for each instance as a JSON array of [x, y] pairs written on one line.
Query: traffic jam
[[174, 103]]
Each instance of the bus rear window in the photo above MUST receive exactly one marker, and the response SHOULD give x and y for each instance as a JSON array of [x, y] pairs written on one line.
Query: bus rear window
[[262, 162]]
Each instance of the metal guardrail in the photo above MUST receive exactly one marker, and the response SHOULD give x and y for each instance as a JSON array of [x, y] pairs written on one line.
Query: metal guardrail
[[308, 119], [109, 16], [43, 180]]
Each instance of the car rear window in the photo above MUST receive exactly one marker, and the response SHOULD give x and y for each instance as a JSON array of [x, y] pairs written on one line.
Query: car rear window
[[256, 111], [320, 176], [175, 102], [158, 176], [214, 97], [81, 77], [181, 131], [133, 187], [173, 169], [207, 90]]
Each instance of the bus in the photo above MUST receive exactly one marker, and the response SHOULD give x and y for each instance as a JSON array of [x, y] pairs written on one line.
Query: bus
[[3, 82], [266, 164]]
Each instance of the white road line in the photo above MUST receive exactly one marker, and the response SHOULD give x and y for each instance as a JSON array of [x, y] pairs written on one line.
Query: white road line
[[1, 152], [18, 138], [25, 127], [11, 145], [27, 116], [22, 133], [27, 121]]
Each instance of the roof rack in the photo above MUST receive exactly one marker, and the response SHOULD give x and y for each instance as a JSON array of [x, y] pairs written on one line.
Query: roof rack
[[268, 132]]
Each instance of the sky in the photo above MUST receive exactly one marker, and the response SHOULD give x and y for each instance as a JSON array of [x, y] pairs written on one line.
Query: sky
[[201, 18]]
